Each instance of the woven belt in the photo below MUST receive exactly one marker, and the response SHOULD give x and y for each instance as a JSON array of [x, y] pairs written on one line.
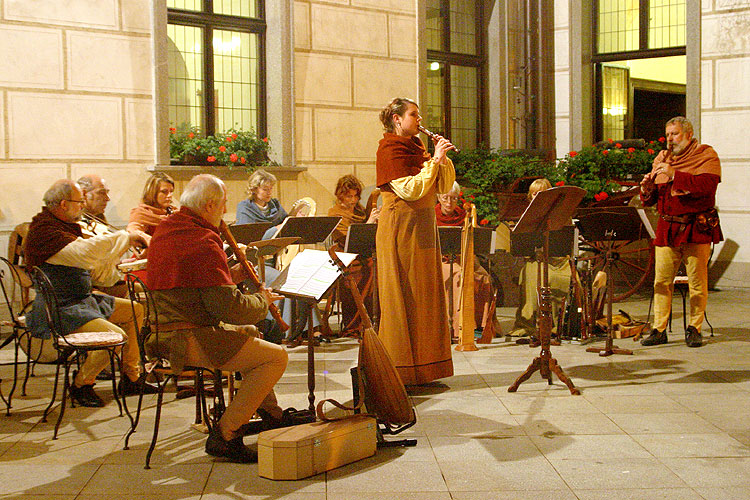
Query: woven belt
[[177, 325], [679, 219]]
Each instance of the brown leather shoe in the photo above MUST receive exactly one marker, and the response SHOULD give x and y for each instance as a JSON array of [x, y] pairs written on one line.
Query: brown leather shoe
[[234, 450], [693, 337]]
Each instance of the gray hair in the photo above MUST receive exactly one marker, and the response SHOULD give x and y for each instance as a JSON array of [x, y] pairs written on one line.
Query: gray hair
[[256, 180], [455, 188], [86, 182], [59, 191], [202, 189], [683, 122]]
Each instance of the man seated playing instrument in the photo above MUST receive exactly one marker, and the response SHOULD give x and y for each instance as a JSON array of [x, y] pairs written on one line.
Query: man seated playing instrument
[[55, 244], [96, 197], [195, 291]]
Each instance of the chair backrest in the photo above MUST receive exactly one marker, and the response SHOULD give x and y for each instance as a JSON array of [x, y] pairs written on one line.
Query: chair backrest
[[47, 292], [16, 258], [9, 271], [139, 293]]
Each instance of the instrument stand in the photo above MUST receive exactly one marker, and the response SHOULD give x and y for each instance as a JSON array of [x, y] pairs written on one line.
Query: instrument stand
[[549, 210], [608, 225], [450, 245]]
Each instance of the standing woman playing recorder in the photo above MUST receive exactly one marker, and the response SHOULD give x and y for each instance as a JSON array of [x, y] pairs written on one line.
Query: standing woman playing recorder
[[413, 319]]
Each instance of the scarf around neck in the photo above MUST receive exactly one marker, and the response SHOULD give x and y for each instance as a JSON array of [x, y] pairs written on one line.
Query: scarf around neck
[[398, 157], [696, 159], [455, 218]]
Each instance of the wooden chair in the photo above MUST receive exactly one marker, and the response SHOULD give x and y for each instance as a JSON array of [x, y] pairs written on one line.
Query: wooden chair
[[154, 364], [73, 346]]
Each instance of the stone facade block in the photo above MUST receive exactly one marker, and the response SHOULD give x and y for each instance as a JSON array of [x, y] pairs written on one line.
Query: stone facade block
[[406, 6], [562, 93], [16, 179], [366, 173], [732, 80], [562, 17], [562, 136], [326, 176], [125, 181], [123, 63], [136, 16], [707, 84], [303, 134], [346, 135], [348, 30], [98, 14], [322, 79], [33, 57], [732, 192], [725, 34], [301, 25], [562, 49], [706, 6], [139, 129], [725, 131], [376, 82], [732, 4], [402, 41], [64, 126], [2, 125]]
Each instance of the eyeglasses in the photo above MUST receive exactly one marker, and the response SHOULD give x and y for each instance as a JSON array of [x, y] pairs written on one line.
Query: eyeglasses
[[76, 201]]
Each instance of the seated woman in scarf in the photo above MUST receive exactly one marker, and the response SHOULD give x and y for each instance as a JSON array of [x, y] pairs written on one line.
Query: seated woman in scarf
[[348, 193], [449, 213], [261, 206], [156, 204]]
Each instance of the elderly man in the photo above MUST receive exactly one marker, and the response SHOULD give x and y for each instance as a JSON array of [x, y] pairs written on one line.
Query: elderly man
[[682, 184], [95, 195], [55, 244], [195, 291]]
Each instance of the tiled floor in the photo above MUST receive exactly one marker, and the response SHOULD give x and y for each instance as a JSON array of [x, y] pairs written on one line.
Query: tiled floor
[[668, 422]]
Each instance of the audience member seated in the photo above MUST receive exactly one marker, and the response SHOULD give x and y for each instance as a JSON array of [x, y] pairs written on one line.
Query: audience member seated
[[260, 205], [449, 213], [559, 281], [348, 193], [55, 244], [156, 204], [194, 289]]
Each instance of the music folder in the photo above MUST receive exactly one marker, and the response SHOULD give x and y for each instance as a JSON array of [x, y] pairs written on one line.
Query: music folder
[[360, 239], [450, 240]]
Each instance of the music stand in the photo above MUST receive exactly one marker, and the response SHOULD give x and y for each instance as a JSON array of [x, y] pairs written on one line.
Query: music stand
[[309, 277], [548, 211], [265, 248], [245, 233], [450, 245], [309, 230], [608, 225], [360, 239]]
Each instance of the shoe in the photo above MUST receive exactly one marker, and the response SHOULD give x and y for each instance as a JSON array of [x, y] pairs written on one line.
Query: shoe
[[234, 450], [693, 337], [127, 387], [85, 395], [656, 338]]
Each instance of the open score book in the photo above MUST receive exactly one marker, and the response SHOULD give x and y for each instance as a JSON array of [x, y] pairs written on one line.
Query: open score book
[[310, 274]]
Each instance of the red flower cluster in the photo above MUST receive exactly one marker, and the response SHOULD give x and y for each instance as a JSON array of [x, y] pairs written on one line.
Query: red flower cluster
[[172, 130], [265, 139], [471, 196], [631, 150], [233, 157], [610, 141], [229, 139], [234, 136], [618, 145], [650, 151], [662, 139], [601, 196], [605, 152], [222, 148], [484, 222], [573, 153], [211, 158], [242, 160], [191, 135], [560, 183]]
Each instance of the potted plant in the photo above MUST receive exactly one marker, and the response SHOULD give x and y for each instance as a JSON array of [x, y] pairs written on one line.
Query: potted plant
[[233, 148]]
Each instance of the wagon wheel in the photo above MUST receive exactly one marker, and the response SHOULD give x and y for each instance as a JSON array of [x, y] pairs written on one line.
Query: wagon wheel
[[632, 265]]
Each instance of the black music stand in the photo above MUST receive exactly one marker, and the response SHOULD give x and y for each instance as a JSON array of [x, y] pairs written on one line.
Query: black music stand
[[450, 245], [609, 225], [309, 277], [309, 230], [245, 233], [266, 248], [548, 211], [360, 239]]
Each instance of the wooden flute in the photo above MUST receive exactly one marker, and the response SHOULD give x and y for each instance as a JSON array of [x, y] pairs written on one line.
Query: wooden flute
[[434, 136]]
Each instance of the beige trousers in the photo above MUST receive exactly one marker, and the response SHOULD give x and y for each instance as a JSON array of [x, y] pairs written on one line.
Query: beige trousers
[[668, 260], [261, 364], [121, 320]]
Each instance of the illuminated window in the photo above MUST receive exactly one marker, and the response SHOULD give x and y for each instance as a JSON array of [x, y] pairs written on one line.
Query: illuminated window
[[453, 35], [216, 65], [639, 25]]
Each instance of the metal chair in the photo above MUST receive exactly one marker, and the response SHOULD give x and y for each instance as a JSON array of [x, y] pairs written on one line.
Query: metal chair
[[72, 347], [148, 332]]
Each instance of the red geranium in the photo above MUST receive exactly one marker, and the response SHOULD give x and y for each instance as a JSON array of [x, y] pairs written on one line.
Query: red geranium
[[234, 136], [222, 148], [172, 130], [662, 139], [211, 158], [265, 139], [191, 135], [560, 183], [572, 153], [484, 222], [197, 148], [605, 152], [610, 141], [229, 139], [242, 160], [650, 151], [618, 145], [233, 157], [631, 150], [601, 196], [471, 196]]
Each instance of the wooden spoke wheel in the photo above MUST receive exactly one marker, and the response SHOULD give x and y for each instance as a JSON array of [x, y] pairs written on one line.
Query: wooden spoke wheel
[[631, 267]]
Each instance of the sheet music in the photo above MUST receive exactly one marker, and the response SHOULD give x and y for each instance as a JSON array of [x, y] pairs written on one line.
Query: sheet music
[[312, 273]]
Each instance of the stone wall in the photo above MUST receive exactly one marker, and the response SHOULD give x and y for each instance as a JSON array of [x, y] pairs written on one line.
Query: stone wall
[[725, 113], [75, 97]]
